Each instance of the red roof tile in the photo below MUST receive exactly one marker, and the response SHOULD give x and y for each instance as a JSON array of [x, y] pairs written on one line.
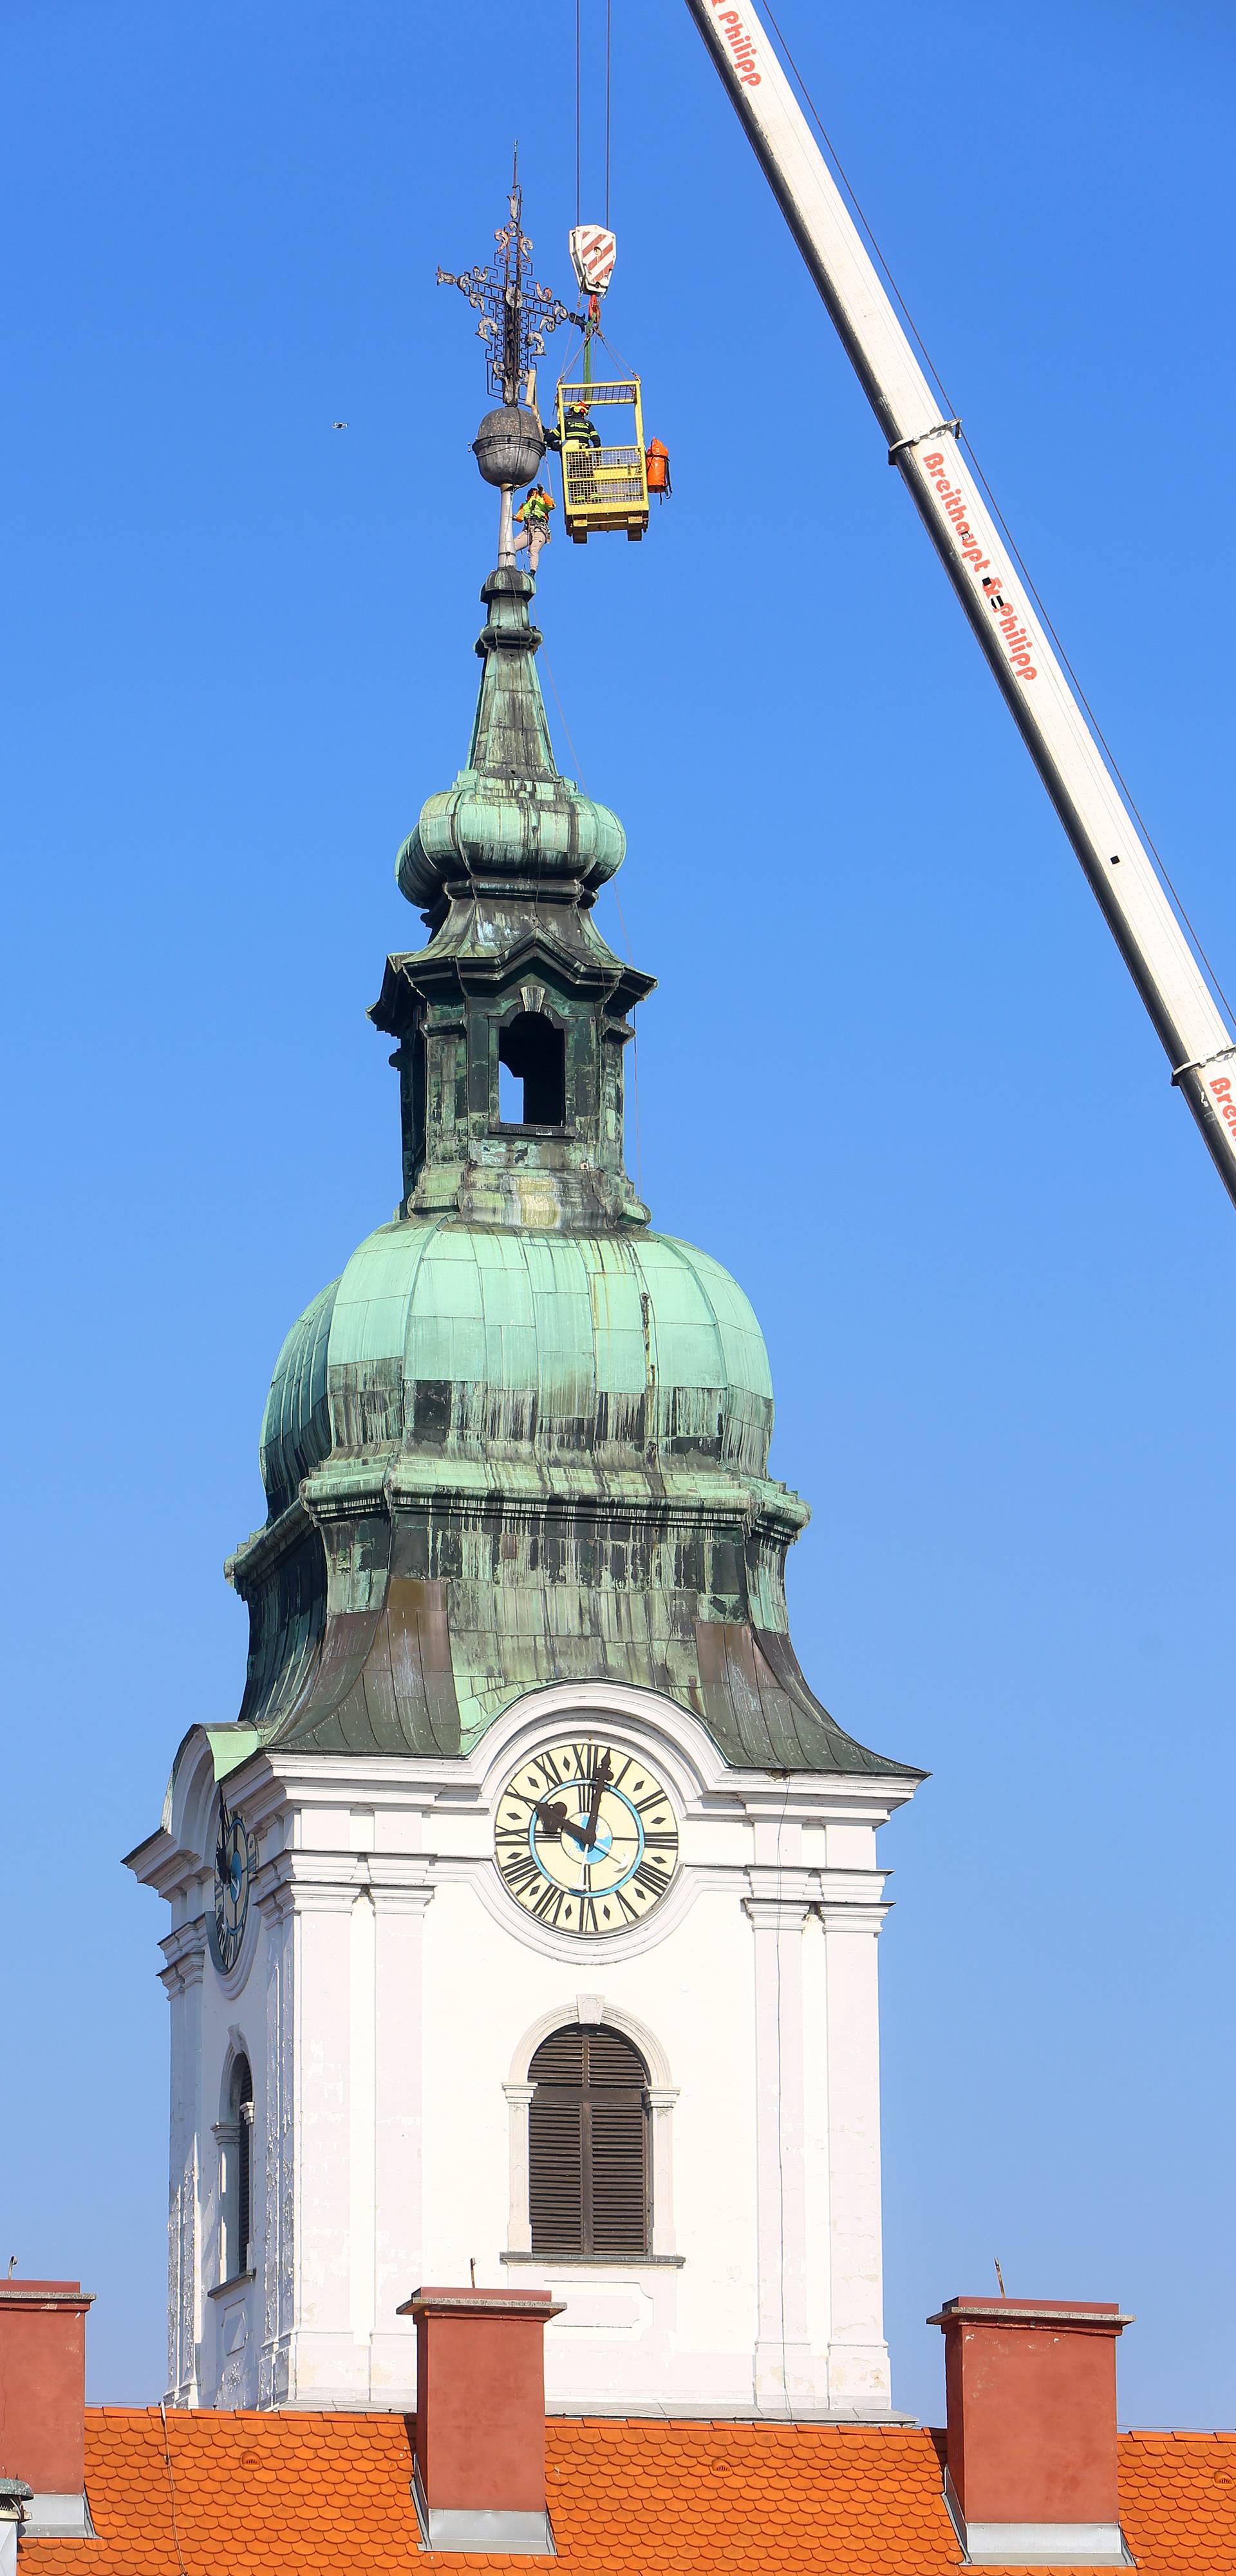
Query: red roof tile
[[280, 2493]]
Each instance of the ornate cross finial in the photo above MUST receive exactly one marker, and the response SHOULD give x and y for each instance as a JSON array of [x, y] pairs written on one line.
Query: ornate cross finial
[[515, 313]]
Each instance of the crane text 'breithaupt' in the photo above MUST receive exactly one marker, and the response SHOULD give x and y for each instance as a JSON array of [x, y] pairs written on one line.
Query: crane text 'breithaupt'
[[1007, 617]]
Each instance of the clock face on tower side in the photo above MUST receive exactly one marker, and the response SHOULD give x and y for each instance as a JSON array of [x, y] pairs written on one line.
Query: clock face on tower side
[[586, 1837], [233, 1879]]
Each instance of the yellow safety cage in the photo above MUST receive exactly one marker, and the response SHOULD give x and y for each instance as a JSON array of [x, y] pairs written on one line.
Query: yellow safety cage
[[604, 469]]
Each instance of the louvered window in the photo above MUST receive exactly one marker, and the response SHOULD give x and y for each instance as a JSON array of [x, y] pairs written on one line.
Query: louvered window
[[588, 2145]]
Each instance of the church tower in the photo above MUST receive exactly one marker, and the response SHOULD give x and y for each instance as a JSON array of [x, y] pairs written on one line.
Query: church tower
[[526, 1915]]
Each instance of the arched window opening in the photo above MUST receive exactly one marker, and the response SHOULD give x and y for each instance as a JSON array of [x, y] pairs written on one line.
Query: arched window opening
[[588, 2163], [237, 2194], [532, 1058]]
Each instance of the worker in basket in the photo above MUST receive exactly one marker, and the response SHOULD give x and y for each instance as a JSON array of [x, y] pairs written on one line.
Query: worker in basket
[[534, 530], [581, 445], [580, 428]]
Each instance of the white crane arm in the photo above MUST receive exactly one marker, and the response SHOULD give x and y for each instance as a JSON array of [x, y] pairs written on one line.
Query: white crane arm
[[926, 450]]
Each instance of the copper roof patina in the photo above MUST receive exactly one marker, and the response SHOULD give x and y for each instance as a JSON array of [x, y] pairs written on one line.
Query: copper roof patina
[[522, 1439]]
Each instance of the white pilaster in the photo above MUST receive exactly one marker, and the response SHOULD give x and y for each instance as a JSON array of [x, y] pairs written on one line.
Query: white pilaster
[[519, 2223], [362, 2114], [185, 1951], [399, 1942], [327, 2366], [661, 2100], [274, 2146], [858, 2372], [783, 2364]]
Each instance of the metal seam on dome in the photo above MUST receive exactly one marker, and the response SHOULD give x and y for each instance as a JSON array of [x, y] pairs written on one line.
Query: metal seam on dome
[[680, 1252], [430, 1236]]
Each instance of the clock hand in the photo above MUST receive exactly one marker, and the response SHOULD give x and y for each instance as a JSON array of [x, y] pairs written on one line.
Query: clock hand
[[585, 1834], [604, 1774], [551, 1815]]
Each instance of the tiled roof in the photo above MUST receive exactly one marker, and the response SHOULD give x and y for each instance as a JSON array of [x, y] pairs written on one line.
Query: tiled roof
[[286, 2493]]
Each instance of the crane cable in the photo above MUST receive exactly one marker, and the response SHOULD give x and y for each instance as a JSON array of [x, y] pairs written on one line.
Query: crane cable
[[579, 84], [997, 513]]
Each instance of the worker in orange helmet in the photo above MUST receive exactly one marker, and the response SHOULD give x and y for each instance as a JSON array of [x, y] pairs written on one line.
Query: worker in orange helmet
[[581, 445], [579, 427], [534, 530]]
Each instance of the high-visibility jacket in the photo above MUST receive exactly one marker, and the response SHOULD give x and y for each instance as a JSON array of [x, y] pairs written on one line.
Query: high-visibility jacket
[[580, 429], [537, 506]]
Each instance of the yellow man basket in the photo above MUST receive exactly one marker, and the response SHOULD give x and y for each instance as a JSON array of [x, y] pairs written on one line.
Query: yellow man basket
[[604, 468]]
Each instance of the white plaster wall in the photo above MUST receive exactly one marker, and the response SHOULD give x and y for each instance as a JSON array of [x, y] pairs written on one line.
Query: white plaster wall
[[385, 1991], [683, 2329]]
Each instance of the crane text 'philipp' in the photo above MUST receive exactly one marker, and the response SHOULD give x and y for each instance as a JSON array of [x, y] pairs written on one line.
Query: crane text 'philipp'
[[740, 45]]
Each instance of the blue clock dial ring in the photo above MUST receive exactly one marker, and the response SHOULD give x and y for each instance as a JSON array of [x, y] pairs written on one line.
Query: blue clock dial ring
[[606, 1840], [586, 1838]]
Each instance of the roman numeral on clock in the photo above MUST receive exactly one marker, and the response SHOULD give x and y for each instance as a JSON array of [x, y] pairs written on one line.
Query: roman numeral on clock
[[521, 1871], [549, 1904]]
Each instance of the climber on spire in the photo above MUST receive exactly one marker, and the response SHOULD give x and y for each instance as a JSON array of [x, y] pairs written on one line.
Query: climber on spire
[[532, 518]]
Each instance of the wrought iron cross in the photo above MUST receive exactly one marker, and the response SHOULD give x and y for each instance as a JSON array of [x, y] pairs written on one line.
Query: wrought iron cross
[[515, 312]]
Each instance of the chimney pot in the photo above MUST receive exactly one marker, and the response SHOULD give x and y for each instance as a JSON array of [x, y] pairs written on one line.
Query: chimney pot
[[479, 2477], [43, 2401], [1031, 2392]]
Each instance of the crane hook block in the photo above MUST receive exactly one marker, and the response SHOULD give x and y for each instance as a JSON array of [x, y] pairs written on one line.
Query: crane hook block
[[593, 251]]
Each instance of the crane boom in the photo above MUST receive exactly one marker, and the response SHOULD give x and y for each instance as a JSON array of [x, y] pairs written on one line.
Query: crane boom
[[976, 556]]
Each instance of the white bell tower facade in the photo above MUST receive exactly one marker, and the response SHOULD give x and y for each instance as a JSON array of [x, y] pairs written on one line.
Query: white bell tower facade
[[388, 1996]]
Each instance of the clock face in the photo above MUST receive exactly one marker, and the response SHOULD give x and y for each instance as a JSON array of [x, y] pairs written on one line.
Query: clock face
[[233, 1878], [586, 1837]]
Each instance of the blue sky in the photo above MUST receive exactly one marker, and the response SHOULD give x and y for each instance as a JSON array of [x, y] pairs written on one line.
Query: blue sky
[[894, 1074]]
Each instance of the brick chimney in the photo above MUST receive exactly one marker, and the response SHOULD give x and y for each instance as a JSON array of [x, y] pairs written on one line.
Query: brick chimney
[[479, 2478], [43, 2402], [1031, 2393]]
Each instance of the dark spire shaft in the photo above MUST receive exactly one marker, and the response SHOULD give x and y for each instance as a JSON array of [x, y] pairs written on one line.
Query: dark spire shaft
[[510, 734]]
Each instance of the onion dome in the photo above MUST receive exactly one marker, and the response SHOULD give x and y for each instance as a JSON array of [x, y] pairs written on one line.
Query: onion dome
[[509, 813], [559, 1353]]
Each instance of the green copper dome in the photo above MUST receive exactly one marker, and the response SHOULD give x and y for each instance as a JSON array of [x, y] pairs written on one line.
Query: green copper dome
[[522, 1441], [626, 1353]]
